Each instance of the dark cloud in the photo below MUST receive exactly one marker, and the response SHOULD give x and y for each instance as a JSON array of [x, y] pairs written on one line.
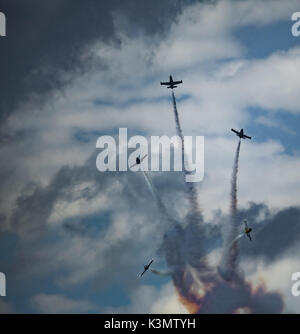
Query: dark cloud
[[273, 235], [46, 41], [274, 232], [36, 204]]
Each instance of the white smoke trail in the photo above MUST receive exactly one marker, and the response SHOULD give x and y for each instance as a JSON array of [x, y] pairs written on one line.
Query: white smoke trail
[[192, 192], [229, 263], [155, 194], [199, 289], [178, 126], [165, 216], [150, 186], [236, 239], [161, 273], [233, 210]]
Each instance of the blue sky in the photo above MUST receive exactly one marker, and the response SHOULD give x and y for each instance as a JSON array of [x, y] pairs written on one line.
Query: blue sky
[[260, 43]]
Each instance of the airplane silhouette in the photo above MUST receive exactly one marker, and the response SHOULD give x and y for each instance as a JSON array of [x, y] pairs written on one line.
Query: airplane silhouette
[[247, 230], [138, 161], [240, 134], [171, 84], [146, 267]]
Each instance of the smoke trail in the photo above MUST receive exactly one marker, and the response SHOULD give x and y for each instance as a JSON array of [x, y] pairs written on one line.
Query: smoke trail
[[161, 273], [236, 239], [229, 264], [161, 206], [192, 192], [198, 285], [233, 204], [186, 246], [178, 126], [201, 289], [183, 246], [150, 186]]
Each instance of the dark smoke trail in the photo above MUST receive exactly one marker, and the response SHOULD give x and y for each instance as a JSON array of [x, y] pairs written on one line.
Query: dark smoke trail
[[229, 264]]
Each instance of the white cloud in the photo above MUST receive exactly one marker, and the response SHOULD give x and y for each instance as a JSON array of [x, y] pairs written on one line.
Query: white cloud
[[266, 174], [147, 299]]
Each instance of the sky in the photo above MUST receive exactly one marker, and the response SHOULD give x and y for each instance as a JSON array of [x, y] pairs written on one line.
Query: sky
[[73, 239]]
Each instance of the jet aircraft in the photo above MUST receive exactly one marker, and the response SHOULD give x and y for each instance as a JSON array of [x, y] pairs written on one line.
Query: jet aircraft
[[146, 267], [138, 161], [247, 230], [171, 84], [240, 134]]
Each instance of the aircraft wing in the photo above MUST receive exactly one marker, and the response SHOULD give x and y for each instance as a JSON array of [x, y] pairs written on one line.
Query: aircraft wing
[[165, 83], [143, 157], [150, 263], [247, 137], [143, 272], [133, 165], [246, 225], [177, 82], [235, 131]]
